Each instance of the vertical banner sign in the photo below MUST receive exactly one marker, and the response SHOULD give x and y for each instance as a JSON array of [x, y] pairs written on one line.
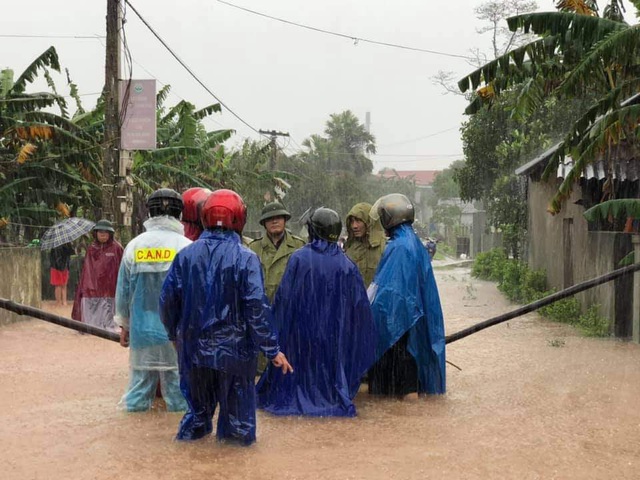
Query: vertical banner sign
[[138, 114]]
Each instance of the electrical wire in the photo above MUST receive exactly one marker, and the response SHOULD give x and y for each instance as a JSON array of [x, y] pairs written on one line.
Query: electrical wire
[[421, 155], [413, 140], [82, 37], [186, 67], [124, 105], [423, 160], [353, 38]]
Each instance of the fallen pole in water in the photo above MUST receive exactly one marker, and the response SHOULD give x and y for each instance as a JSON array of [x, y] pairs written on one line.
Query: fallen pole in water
[[58, 320], [543, 302]]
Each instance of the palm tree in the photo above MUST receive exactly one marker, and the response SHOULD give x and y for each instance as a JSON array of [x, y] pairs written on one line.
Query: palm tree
[[350, 142], [576, 54]]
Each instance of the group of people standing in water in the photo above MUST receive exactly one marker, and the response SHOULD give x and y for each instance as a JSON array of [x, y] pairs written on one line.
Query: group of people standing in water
[[196, 310]]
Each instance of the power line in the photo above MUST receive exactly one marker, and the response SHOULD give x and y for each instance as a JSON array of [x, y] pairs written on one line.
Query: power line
[[186, 67], [419, 160], [171, 90], [83, 37], [420, 155], [419, 138], [353, 38]]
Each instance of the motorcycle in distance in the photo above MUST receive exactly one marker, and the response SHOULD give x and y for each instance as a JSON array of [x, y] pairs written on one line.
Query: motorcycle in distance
[[431, 246]]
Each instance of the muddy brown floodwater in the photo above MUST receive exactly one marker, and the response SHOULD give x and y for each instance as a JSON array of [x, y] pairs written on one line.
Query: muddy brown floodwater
[[533, 400]]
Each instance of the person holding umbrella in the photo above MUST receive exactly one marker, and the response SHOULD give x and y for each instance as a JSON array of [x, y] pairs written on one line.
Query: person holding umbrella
[[58, 239], [60, 259], [95, 295]]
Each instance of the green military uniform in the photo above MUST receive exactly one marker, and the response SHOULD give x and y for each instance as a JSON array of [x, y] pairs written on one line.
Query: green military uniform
[[275, 261], [365, 251]]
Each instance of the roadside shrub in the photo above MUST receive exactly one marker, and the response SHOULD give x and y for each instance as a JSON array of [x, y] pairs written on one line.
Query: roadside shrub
[[534, 285], [489, 265], [563, 311], [592, 324], [513, 275], [520, 284]]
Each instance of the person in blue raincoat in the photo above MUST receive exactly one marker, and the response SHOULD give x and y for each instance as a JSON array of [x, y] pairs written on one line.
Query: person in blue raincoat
[[145, 264], [323, 319], [406, 309], [214, 307]]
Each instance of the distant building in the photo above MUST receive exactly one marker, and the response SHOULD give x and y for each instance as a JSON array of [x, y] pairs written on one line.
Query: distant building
[[423, 180]]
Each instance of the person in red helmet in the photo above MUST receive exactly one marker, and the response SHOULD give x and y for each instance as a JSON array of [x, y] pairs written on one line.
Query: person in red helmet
[[193, 199], [214, 308]]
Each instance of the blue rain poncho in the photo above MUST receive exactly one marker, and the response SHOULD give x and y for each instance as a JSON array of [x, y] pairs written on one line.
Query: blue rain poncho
[[324, 324], [214, 307], [405, 298], [145, 264]]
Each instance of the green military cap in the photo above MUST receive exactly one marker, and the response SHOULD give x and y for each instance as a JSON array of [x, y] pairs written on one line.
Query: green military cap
[[273, 209], [104, 225]]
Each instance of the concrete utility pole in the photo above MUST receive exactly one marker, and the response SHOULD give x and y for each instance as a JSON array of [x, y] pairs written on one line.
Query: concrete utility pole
[[274, 146], [111, 155]]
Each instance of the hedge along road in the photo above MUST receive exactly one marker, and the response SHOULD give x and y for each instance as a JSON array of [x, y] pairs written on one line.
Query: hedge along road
[[534, 399]]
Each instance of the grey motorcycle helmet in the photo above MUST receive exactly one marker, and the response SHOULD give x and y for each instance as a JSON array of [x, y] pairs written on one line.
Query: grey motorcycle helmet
[[393, 210]]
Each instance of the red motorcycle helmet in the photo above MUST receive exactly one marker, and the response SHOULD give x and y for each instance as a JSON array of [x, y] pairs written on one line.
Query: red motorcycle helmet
[[194, 199], [224, 209]]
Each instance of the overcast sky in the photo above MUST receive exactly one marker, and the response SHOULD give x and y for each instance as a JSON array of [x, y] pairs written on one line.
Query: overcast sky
[[277, 76]]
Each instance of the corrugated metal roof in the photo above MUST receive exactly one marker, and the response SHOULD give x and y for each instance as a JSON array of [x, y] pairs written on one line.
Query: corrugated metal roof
[[626, 165], [622, 170], [540, 161]]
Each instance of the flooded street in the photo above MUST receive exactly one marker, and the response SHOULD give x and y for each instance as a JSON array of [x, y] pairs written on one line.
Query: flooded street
[[533, 400]]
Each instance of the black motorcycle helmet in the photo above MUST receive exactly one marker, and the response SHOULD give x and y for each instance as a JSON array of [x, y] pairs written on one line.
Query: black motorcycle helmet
[[165, 201], [324, 223]]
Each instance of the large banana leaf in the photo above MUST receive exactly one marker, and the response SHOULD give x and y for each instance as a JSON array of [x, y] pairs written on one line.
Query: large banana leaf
[[619, 208], [49, 58]]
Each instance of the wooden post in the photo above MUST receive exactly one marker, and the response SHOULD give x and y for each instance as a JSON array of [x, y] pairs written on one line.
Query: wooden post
[[635, 241], [110, 155]]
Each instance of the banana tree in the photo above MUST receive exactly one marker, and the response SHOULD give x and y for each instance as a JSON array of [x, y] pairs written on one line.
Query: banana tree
[[187, 155], [576, 55], [42, 154], [624, 208]]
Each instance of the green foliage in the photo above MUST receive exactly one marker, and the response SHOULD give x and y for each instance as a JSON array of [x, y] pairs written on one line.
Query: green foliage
[[620, 208], [520, 284], [444, 185], [512, 282], [577, 56], [489, 265], [566, 310], [49, 162], [592, 324], [495, 143], [345, 147], [446, 214]]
